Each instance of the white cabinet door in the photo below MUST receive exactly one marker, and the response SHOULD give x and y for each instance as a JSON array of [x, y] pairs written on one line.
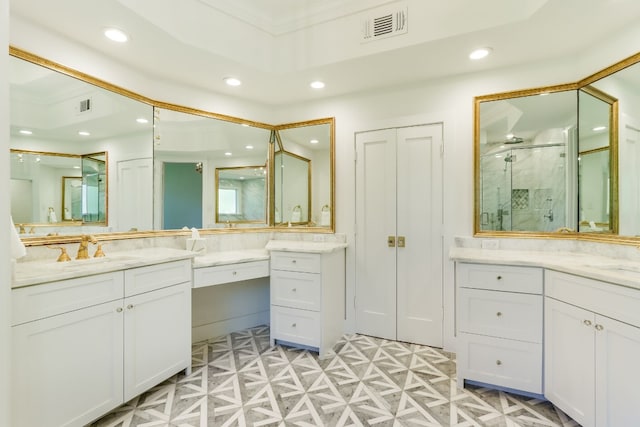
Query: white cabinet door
[[570, 360], [67, 369], [617, 373], [157, 337]]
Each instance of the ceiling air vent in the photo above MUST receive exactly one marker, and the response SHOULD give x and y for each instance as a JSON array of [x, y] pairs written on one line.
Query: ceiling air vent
[[383, 24], [85, 105]]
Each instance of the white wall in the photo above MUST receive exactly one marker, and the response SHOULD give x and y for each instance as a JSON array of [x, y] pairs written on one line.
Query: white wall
[[5, 277]]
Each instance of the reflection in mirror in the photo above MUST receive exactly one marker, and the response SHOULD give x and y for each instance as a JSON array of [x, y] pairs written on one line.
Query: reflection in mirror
[[595, 183], [241, 195], [36, 195], [71, 198], [53, 112], [526, 168], [293, 179], [188, 149], [94, 188], [306, 150]]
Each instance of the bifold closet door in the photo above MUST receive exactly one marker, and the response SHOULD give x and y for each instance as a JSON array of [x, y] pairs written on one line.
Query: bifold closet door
[[398, 234], [375, 223]]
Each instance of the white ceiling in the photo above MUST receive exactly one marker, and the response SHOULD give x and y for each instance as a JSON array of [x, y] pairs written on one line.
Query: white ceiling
[[277, 47]]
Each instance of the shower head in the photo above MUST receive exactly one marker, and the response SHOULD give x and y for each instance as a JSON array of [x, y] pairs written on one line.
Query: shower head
[[514, 140]]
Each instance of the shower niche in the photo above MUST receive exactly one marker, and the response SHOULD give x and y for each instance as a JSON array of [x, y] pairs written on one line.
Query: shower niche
[[527, 178]]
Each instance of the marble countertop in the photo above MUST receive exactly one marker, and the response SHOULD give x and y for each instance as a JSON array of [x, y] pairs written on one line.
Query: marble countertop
[[230, 257], [616, 271], [304, 246], [37, 272]]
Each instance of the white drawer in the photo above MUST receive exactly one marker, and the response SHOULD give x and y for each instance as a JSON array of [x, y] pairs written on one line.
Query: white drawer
[[157, 276], [501, 314], [296, 290], [506, 363], [618, 302], [499, 277], [295, 326], [49, 299], [296, 261], [220, 274]]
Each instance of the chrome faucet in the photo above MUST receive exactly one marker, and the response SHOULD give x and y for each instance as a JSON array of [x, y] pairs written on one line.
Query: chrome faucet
[[83, 249]]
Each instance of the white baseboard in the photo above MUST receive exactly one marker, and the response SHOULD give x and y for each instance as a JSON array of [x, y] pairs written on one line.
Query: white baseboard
[[226, 326]]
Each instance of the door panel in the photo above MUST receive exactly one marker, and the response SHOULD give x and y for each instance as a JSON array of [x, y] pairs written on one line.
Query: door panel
[[375, 260], [399, 195], [419, 263]]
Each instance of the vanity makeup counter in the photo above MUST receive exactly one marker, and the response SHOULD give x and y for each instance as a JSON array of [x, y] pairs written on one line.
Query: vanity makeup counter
[[565, 325]]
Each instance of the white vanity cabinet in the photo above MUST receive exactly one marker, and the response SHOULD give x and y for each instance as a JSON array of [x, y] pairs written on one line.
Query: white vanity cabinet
[[500, 320], [592, 343], [308, 298], [83, 346]]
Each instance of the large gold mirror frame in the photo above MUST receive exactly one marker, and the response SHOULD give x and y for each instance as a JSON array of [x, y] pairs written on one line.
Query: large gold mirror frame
[[327, 226], [616, 88]]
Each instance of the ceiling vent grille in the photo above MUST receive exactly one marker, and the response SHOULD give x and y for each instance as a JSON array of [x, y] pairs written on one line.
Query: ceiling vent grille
[[380, 25], [85, 105]]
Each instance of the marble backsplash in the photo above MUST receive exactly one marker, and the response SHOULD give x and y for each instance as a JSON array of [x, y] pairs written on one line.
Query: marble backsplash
[[214, 243]]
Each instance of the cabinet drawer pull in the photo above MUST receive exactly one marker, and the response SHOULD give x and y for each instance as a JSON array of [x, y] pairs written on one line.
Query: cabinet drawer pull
[[499, 277], [498, 362], [499, 314], [130, 306], [294, 290], [293, 261], [599, 327], [234, 273], [587, 322], [293, 325], [119, 310]]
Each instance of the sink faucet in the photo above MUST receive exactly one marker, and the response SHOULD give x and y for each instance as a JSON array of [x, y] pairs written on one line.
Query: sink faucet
[[83, 249]]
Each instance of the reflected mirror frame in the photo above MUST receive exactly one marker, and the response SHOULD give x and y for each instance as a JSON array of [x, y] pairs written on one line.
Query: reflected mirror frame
[[217, 190], [614, 215], [332, 164], [92, 156], [46, 240], [65, 180]]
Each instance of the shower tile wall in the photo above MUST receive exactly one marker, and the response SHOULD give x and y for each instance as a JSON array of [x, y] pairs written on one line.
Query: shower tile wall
[[530, 189]]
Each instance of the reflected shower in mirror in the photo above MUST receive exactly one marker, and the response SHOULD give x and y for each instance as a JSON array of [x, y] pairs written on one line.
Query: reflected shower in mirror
[[526, 157], [188, 149]]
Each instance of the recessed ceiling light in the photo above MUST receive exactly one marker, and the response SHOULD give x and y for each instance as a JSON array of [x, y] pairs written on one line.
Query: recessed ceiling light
[[83, 133], [228, 153], [249, 147], [317, 84], [509, 136], [116, 35], [232, 81], [76, 167], [599, 128], [142, 120], [480, 53], [25, 132], [313, 141], [245, 125]]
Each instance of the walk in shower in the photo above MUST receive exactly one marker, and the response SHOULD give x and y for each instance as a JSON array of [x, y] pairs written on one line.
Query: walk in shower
[[524, 187]]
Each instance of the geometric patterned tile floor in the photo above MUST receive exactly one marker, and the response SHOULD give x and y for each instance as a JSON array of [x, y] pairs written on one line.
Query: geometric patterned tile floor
[[240, 380]]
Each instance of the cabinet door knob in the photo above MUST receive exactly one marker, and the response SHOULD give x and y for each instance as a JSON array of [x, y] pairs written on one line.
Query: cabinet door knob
[[130, 306], [499, 314], [294, 290], [499, 277], [234, 273], [293, 261], [587, 322], [119, 310], [498, 362], [599, 327], [293, 325]]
